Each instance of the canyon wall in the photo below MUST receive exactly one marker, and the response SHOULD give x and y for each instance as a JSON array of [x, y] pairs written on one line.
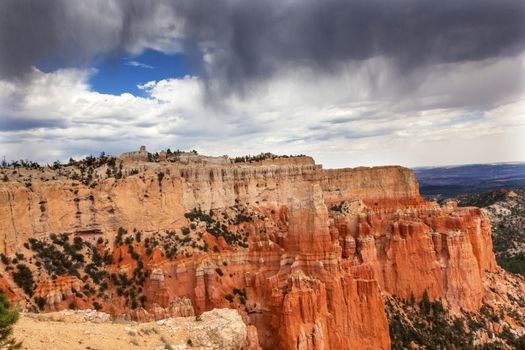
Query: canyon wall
[[145, 203], [323, 248]]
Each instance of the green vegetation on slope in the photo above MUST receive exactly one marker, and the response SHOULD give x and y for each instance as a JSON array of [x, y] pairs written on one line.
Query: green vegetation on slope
[[506, 209], [429, 325]]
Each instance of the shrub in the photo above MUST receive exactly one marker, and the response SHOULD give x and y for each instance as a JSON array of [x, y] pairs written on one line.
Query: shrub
[[40, 302], [160, 176], [229, 297], [120, 232], [24, 279], [8, 317], [5, 259]]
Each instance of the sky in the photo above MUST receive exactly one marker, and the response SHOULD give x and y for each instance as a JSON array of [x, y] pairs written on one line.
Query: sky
[[349, 82]]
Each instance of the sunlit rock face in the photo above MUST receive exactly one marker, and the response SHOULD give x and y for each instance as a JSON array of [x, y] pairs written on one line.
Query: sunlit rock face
[[321, 247]]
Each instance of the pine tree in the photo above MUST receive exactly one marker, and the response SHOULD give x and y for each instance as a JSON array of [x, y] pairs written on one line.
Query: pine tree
[[425, 304], [8, 317]]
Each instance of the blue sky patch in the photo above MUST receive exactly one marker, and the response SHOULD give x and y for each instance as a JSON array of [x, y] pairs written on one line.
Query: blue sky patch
[[117, 76]]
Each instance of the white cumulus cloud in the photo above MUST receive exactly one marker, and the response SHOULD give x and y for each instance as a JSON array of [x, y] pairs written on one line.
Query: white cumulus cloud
[[354, 117]]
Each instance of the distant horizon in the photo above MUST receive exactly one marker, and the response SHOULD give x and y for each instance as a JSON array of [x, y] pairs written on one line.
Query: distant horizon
[[466, 164]]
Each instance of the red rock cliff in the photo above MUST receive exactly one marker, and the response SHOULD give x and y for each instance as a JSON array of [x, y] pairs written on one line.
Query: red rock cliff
[[322, 246]]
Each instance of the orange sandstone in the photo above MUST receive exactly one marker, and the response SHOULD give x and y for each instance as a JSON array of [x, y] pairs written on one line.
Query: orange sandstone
[[332, 242]]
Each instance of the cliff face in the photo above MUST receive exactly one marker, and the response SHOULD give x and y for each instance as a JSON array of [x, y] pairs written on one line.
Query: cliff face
[[305, 254]]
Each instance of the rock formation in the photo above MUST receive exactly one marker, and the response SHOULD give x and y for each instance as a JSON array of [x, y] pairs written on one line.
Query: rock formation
[[135, 156], [305, 254]]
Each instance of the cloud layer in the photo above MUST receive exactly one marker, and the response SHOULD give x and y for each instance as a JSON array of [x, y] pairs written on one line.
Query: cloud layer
[[235, 43], [351, 82]]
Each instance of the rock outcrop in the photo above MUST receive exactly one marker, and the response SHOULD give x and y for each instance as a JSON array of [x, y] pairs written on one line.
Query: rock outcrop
[[321, 247], [55, 291], [135, 156]]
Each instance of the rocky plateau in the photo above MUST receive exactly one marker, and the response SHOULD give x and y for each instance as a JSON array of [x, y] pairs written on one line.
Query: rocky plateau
[[311, 258]]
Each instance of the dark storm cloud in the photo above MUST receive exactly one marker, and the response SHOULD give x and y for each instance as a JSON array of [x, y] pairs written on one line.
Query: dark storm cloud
[[22, 41], [253, 40], [60, 33]]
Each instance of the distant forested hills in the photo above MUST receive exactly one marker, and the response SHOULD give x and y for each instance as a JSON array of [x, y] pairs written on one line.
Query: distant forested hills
[[451, 181]]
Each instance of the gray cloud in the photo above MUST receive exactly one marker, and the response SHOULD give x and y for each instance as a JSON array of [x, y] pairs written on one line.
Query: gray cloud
[[8, 123], [69, 33], [350, 119], [253, 40], [250, 41]]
